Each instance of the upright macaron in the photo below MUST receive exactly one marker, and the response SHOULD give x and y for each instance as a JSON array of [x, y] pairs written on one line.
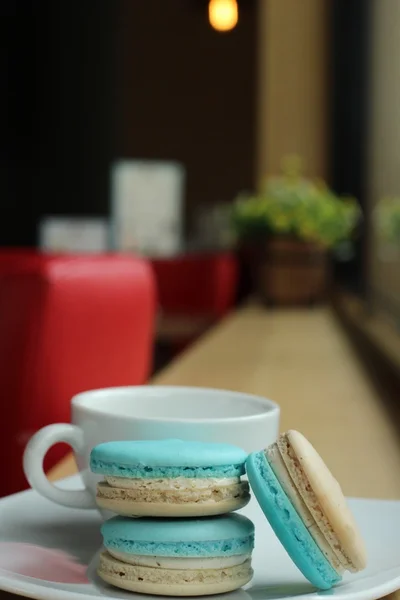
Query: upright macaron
[[170, 478], [177, 557], [307, 509]]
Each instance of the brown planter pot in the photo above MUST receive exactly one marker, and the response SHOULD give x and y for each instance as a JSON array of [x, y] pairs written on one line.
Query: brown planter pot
[[292, 272]]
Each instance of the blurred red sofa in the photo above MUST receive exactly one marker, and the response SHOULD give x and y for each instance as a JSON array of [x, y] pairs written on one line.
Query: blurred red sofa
[[67, 324]]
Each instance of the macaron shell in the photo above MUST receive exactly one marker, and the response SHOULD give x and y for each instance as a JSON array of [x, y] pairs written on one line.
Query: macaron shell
[[165, 453], [173, 582], [287, 524], [330, 498], [192, 536]]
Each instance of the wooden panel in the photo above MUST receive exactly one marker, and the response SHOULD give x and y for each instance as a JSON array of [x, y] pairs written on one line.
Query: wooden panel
[[293, 84]]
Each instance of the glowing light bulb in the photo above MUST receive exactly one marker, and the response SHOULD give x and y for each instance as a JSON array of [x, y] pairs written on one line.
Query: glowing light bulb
[[223, 14]]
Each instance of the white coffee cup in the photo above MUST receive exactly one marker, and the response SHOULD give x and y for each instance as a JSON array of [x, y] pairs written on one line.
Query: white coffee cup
[[148, 413]]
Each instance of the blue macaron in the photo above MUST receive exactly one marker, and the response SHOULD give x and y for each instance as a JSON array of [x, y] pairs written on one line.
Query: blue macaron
[[227, 535], [178, 556], [170, 478], [287, 523]]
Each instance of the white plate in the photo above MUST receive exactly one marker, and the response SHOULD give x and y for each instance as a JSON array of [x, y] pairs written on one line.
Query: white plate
[[49, 552]]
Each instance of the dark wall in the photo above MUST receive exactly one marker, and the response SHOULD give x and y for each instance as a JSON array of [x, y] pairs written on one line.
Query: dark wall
[[57, 70], [351, 79], [90, 80], [187, 93]]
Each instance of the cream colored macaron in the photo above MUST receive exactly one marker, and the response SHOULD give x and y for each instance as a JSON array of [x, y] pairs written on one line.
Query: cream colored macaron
[[176, 581], [307, 509], [323, 498]]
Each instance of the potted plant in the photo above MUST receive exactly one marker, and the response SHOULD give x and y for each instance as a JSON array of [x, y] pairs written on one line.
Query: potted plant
[[289, 228]]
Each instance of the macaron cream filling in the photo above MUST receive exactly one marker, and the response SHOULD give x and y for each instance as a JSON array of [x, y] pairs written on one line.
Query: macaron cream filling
[[175, 483], [173, 562]]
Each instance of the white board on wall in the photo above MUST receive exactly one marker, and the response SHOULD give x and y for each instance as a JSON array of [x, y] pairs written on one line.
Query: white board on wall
[[147, 206]]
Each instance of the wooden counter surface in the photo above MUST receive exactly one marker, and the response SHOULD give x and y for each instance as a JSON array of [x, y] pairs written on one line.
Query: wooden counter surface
[[304, 361]]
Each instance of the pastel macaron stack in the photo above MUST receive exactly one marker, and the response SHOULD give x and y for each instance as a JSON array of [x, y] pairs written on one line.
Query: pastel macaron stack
[[176, 533], [189, 542]]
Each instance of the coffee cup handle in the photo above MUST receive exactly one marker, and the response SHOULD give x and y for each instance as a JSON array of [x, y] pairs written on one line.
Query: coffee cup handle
[[34, 454]]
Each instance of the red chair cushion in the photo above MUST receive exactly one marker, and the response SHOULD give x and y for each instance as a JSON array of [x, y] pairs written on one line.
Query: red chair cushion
[[68, 324]]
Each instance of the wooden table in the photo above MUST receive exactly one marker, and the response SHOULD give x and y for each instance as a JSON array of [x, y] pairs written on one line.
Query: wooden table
[[304, 361]]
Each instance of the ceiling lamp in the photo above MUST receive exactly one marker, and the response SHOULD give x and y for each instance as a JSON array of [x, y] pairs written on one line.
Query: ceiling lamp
[[223, 14]]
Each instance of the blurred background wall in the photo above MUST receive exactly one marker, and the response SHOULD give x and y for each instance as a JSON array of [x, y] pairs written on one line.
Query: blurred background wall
[[186, 93], [294, 84], [384, 148], [58, 65], [91, 81]]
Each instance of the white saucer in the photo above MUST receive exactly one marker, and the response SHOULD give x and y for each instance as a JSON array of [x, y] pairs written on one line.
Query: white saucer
[[49, 552]]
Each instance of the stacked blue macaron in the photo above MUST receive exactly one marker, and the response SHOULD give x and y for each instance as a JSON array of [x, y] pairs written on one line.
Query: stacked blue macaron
[[176, 526], [189, 541]]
